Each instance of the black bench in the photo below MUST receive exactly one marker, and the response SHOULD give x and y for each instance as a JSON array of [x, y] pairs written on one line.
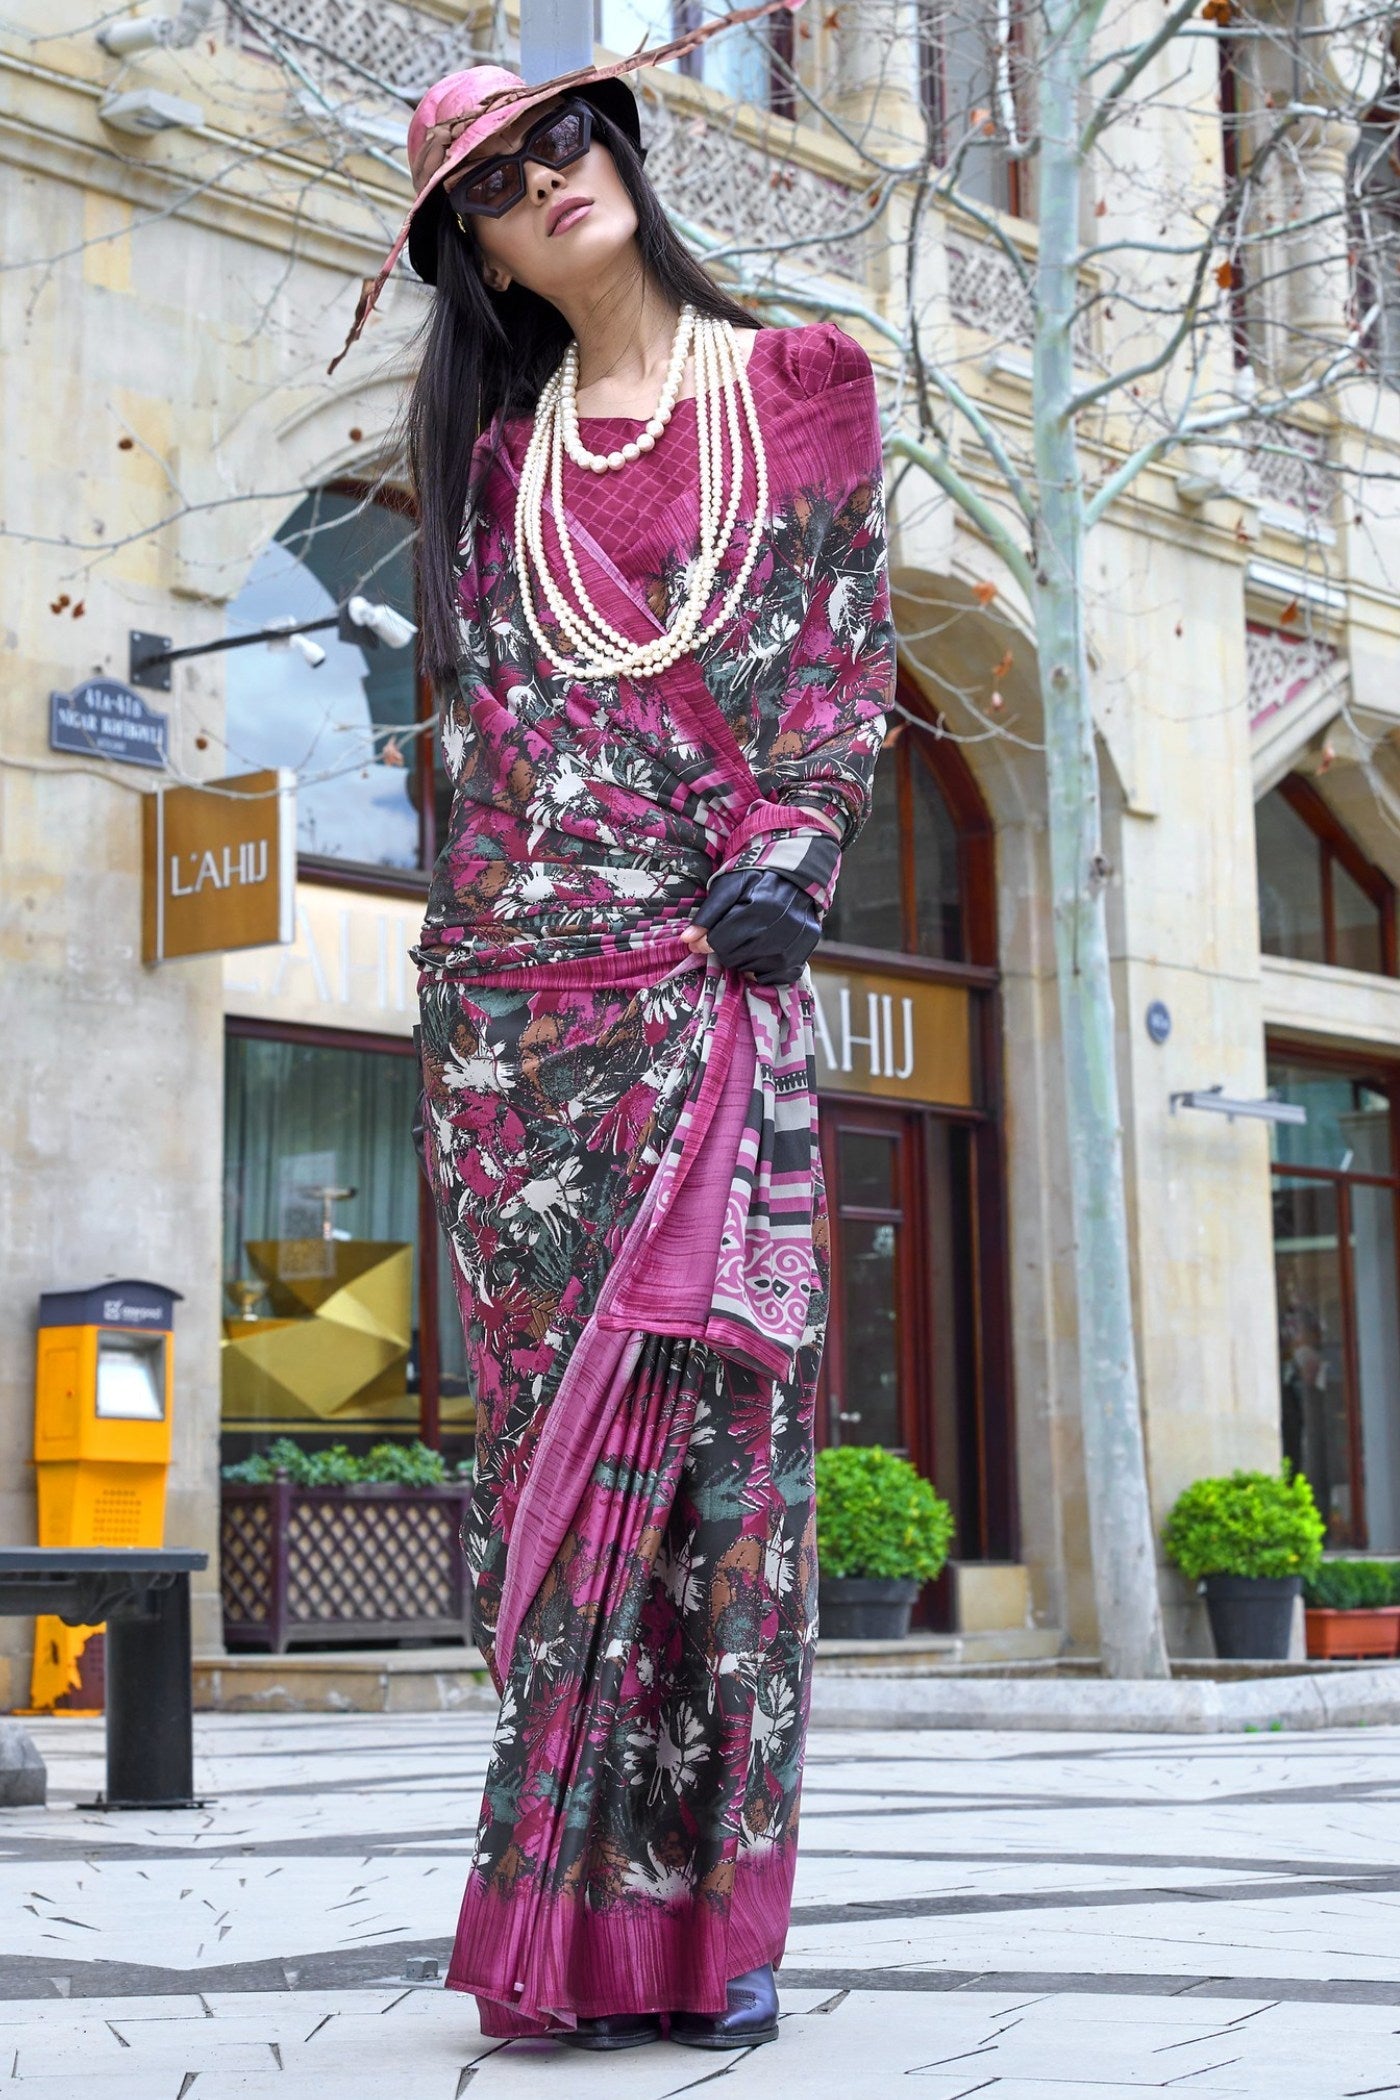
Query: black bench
[[142, 1593]]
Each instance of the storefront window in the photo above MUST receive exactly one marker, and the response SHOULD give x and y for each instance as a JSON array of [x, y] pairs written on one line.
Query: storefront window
[[322, 1272], [345, 726], [1320, 899], [1336, 1196]]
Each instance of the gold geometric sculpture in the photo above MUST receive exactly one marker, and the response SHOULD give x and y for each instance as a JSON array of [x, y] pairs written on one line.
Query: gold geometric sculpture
[[338, 1340]]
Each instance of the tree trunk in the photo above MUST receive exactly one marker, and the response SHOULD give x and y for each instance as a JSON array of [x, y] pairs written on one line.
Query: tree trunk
[[1120, 1519]]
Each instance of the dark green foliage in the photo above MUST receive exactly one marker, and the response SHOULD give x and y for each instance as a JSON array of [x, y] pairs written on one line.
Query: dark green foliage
[[1247, 1524], [1354, 1585], [401, 1465], [877, 1516]]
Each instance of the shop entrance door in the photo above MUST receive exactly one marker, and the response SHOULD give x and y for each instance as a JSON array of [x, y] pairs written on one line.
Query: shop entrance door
[[902, 1365], [874, 1365]]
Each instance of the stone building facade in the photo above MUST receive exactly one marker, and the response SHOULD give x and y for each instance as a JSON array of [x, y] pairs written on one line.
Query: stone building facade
[[176, 460]]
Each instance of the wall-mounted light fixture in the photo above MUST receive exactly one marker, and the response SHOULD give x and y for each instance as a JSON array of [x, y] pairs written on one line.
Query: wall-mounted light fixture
[[1219, 1103], [145, 111]]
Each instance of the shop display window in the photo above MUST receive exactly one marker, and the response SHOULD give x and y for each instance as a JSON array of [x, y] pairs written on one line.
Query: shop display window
[[333, 1260], [1320, 899], [1336, 1207]]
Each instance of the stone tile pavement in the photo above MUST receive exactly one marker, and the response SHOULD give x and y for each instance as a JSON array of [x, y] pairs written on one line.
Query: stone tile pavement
[[1018, 1916]]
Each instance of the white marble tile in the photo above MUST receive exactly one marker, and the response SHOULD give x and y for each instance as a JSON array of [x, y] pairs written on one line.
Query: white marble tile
[[330, 1833]]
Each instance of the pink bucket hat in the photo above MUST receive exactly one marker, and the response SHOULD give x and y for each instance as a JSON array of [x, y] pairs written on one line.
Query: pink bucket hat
[[463, 110]]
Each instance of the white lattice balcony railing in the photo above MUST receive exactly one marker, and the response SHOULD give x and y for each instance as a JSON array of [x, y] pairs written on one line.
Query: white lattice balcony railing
[[1290, 469], [985, 292], [1280, 666], [789, 215], [988, 293], [360, 43]]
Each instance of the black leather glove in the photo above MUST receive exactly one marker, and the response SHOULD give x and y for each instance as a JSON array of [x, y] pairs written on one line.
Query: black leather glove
[[761, 923]]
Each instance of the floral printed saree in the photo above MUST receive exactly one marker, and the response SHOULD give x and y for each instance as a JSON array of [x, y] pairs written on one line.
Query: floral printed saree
[[622, 1141]]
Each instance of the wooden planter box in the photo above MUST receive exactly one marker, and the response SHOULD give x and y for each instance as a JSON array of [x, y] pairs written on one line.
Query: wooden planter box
[[1351, 1635], [307, 1567]]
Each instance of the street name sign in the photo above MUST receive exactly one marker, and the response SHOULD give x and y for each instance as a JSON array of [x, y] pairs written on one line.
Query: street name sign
[[102, 718]]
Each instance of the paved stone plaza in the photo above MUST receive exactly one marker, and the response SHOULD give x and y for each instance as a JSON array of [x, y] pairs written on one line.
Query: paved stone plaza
[[1022, 1916]]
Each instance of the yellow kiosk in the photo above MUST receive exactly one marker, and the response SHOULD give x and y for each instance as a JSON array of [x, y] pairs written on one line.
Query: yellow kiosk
[[102, 1408]]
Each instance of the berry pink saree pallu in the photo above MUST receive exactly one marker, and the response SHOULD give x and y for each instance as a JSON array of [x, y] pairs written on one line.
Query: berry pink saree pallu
[[622, 1141]]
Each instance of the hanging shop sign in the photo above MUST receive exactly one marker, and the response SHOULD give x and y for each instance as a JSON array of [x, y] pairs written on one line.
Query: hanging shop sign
[[102, 718], [218, 866], [898, 1038]]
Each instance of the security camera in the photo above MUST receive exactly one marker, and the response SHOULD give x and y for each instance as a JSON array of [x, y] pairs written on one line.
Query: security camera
[[307, 650], [123, 39], [381, 621]]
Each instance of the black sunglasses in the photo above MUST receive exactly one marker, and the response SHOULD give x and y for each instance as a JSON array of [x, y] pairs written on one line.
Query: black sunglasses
[[489, 189]]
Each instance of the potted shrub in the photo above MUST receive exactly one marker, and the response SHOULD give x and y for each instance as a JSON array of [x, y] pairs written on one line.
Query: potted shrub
[[1250, 1541], [321, 1546], [882, 1532], [1353, 1609]]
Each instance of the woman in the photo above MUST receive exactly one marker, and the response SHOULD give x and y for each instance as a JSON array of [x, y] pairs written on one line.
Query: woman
[[666, 651]]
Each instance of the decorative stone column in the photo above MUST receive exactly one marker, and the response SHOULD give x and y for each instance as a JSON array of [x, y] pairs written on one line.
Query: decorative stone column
[[876, 95], [1316, 310]]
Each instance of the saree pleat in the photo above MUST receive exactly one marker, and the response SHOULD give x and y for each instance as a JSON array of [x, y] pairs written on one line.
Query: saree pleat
[[622, 1141]]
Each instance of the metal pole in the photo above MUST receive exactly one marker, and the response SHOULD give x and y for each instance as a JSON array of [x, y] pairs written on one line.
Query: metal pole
[[141, 661]]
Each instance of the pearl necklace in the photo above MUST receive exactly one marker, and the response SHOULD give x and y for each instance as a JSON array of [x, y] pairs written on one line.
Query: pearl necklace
[[609, 462], [601, 650]]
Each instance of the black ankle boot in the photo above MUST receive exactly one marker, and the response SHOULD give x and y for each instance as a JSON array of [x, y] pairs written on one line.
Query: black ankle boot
[[751, 2016], [615, 2031]]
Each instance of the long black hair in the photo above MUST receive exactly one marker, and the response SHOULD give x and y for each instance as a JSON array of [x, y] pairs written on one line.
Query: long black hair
[[488, 354]]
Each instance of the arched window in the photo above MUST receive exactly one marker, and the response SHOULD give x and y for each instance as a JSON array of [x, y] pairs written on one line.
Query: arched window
[[918, 880], [344, 727], [1320, 899]]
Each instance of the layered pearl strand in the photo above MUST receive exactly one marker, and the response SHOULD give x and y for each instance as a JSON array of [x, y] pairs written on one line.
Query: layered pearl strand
[[721, 393], [609, 462]]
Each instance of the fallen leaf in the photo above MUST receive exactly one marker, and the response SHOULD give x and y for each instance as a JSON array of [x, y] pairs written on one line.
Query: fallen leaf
[[78, 610], [984, 592], [61, 603], [1000, 670], [1227, 276], [125, 444], [391, 754], [201, 743], [1290, 614], [356, 434]]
